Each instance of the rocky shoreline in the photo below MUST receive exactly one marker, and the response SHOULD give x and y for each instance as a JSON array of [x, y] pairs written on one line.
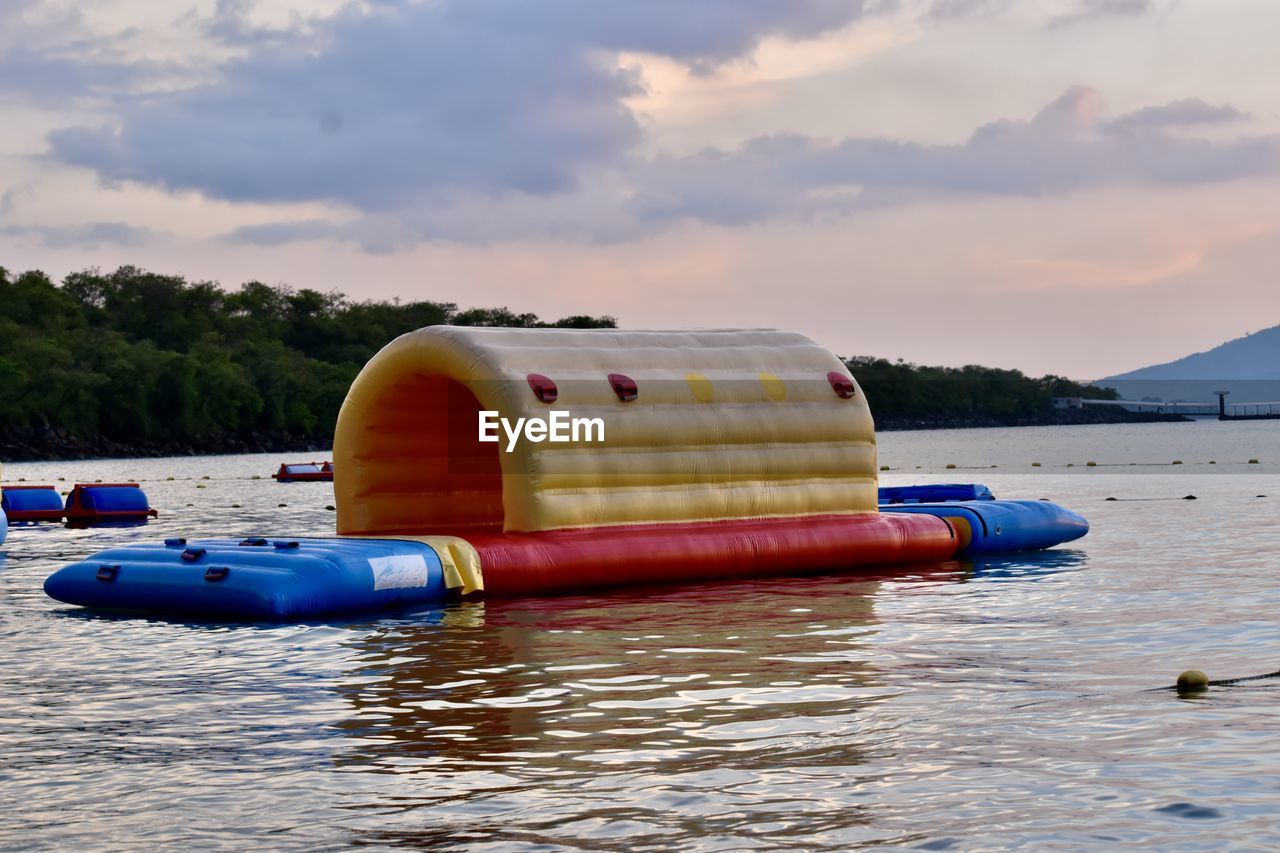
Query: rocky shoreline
[[53, 446]]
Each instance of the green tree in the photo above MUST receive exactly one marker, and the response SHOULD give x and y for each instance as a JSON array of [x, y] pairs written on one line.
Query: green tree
[[138, 357]]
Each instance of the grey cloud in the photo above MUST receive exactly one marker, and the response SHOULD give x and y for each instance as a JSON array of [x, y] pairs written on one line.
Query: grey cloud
[[1087, 10], [8, 200], [702, 34], [487, 120], [948, 10], [390, 106], [30, 20], [230, 24], [88, 236], [599, 212], [276, 233], [1068, 146], [1071, 145], [50, 56], [374, 234], [1184, 113], [36, 74]]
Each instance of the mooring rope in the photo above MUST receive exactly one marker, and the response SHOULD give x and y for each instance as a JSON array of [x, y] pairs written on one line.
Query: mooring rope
[[1195, 681], [1223, 682]]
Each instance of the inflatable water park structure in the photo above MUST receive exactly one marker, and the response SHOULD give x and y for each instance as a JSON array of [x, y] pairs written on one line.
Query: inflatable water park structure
[[718, 454]]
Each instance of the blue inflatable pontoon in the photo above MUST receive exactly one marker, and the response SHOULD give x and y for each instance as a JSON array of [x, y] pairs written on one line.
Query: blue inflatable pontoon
[[986, 525], [940, 493], [256, 579]]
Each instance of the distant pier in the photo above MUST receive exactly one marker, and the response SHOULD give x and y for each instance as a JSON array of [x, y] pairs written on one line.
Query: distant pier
[[1246, 411], [1223, 410]]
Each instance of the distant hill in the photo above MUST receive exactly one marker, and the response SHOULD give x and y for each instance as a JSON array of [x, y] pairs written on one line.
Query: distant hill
[[1255, 356], [1248, 367]]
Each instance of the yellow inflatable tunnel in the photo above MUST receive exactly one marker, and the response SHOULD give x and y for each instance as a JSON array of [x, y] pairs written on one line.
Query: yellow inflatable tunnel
[[555, 459]]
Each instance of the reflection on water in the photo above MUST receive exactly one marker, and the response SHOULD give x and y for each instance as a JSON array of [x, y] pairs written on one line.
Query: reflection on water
[[482, 678], [998, 702], [1025, 567], [581, 699]]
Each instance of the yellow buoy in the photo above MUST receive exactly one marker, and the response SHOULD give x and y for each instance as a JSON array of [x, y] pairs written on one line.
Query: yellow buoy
[[1192, 681]]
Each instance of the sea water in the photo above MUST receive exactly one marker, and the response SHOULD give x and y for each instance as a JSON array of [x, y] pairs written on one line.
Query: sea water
[[973, 705]]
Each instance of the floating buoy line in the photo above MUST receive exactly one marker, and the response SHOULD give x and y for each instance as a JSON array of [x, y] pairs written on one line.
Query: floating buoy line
[[1193, 681], [326, 468], [89, 504], [952, 466]]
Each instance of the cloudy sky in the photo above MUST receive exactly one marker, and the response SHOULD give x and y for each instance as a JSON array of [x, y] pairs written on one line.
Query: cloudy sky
[[1069, 186]]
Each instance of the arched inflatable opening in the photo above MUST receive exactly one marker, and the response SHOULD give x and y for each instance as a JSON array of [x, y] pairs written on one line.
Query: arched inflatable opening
[[424, 469]]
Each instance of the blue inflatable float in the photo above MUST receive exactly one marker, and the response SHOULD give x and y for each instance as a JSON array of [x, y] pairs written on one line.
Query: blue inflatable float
[[986, 525], [939, 493], [992, 526], [256, 579], [32, 503], [102, 503], [87, 504]]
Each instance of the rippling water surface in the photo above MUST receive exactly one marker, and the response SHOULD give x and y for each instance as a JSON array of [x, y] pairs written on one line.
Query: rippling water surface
[[967, 705]]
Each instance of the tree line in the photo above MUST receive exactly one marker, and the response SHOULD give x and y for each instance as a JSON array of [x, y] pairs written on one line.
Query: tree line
[[132, 360], [903, 394], [139, 360]]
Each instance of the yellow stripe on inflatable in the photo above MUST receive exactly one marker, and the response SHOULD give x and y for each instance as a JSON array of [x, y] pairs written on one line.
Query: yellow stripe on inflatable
[[459, 560], [774, 387], [726, 424], [703, 390], [964, 530]]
